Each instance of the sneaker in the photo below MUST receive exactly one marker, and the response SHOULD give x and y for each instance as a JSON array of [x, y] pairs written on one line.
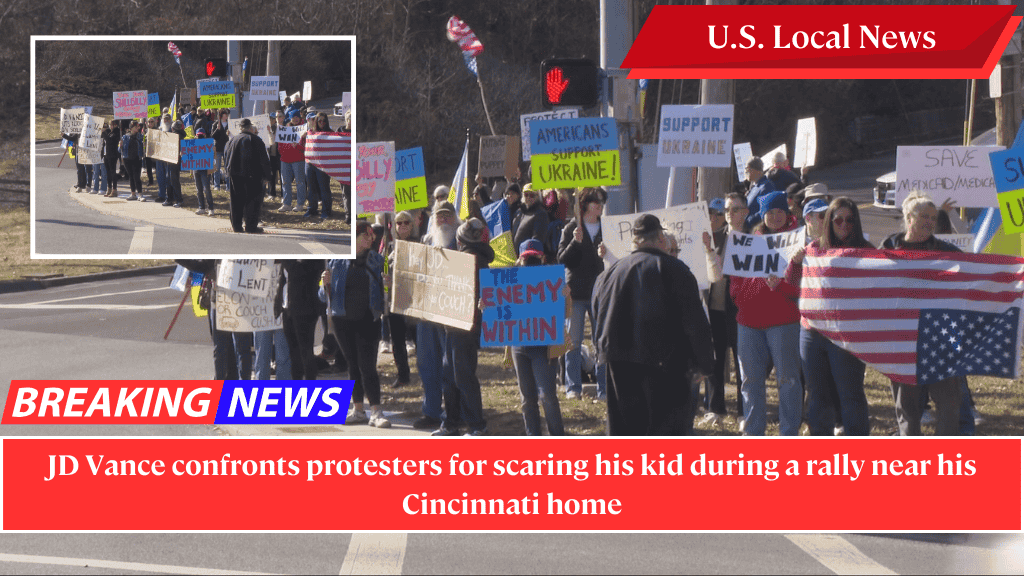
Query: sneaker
[[201, 211], [978, 419], [600, 397], [442, 431], [480, 432], [143, 199], [167, 204], [295, 209], [133, 198], [426, 423], [742, 424], [410, 348], [377, 419], [927, 418], [356, 417], [210, 212], [176, 205], [711, 419], [572, 395], [385, 348], [839, 430]]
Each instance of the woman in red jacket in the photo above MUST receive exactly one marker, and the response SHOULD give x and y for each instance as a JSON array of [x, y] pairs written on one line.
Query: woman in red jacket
[[769, 332]]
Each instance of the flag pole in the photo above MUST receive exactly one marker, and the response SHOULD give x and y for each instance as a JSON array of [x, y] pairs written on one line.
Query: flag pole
[[480, 83]]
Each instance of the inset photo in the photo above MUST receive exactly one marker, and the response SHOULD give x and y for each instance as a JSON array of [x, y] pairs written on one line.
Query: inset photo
[[192, 146]]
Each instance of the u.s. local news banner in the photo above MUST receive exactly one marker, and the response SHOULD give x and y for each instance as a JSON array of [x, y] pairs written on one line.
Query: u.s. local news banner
[[512, 483]]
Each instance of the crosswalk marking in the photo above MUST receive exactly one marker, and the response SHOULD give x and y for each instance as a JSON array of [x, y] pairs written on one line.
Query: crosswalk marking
[[837, 554], [142, 240], [375, 554], [315, 248], [113, 565]]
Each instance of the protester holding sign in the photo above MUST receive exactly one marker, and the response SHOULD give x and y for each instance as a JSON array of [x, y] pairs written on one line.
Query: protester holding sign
[[769, 332], [722, 309], [132, 152], [293, 167], [354, 292], [202, 177], [531, 221], [174, 197], [220, 136], [111, 139], [827, 368], [318, 183], [405, 229], [581, 252]]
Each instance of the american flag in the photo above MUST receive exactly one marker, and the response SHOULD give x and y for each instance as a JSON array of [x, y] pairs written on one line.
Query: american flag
[[918, 317], [332, 153], [459, 32], [173, 49]]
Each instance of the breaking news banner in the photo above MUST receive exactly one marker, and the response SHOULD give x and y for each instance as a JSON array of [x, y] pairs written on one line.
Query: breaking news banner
[[424, 484]]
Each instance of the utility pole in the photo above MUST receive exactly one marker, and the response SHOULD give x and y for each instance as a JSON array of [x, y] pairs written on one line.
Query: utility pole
[[1010, 101], [617, 34], [715, 182], [235, 69], [273, 69]]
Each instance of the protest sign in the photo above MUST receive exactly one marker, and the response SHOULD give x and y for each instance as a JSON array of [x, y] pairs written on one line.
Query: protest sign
[[574, 153], [289, 134], [187, 96], [434, 284], [743, 153], [215, 87], [769, 158], [964, 242], [960, 173], [162, 145], [687, 223], [522, 306], [131, 104], [410, 180], [153, 105], [197, 154], [218, 101], [90, 144], [526, 119], [761, 255], [261, 122], [263, 87], [241, 312], [307, 90], [344, 106], [1008, 179], [72, 120], [375, 177], [281, 96], [499, 156], [806, 143], [253, 277], [695, 136]]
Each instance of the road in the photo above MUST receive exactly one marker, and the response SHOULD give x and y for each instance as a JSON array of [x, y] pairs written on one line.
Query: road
[[77, 225]]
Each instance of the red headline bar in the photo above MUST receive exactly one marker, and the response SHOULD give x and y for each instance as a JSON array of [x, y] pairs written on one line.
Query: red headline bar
[[112, 401], [798, 41], [510, 484]]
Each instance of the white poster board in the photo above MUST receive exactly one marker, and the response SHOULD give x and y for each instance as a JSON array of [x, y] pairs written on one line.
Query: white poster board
[[307, 90], [761, 255], [90, 144], [72, 120], [687, 223], [290, 134], [261, 122], [964, 242], [743, 153], [695, 136], [806, 143], [525, 119], [263, 87], [961, 173], [254, 277]]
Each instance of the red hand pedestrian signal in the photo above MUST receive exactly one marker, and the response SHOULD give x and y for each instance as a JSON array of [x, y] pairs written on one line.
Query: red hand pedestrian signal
[[555, 85], [210, 67]]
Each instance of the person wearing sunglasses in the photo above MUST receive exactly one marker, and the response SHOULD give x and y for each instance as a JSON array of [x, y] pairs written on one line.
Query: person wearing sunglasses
[[834, 377], [531, 222]]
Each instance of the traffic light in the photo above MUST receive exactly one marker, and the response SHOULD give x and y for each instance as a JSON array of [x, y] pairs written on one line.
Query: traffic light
[[216, 67], [568, 82]]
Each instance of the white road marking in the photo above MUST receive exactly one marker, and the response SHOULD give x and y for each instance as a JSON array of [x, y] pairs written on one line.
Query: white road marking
[[837, 554], [102, 295], [40, 306], [41, 154], [142, 240], [315, 248], [375, 554], [113, 565]]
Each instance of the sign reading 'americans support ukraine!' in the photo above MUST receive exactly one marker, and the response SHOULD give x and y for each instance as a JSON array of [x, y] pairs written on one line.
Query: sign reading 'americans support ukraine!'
[[574, 153]]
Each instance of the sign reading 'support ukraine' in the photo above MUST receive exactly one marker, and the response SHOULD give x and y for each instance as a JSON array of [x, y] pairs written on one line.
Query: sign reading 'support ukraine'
[[575, 152]]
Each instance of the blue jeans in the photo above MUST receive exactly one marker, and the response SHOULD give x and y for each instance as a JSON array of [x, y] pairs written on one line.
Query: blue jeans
[[99, 178], [318, 189], [293, 171], [573, 374], [780, 344], [219, 178], [826, 365], [536, 374], [161, 179], [203, 192], [462, 396], [264, 342], [434, 372], [232, 359]]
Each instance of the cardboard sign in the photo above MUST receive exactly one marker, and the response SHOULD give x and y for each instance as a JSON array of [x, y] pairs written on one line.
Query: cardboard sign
[[522, 306], [307, 90], [743, 153], [575, 153], [526, 119], [253, 277], [687, 223], [162, 145], [964, 242], [759, 256], [90, 144], [961, 173], [289, 134], [72, 120], [197, 154], [153, 105], [241, 312], [261, 122], [806, 143], [215, 87], [218, 101], [263, 87], [131, 104], [411, 181], [434, 284], [499, 156], [187, 96], [695, 136], [375, 177]]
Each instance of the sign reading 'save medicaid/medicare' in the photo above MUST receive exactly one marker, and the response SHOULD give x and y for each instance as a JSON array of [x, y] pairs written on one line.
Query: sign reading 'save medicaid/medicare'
[[574, 153]]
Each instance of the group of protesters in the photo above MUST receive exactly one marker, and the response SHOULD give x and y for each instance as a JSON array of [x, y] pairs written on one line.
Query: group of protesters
[[250, 177]]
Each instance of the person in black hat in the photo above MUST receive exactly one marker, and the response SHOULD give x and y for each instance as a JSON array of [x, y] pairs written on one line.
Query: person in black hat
[[651, 330], [248, 166]]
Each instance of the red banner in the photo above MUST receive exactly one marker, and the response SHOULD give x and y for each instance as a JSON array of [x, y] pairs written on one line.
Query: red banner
[[819, 42], [433, 484]]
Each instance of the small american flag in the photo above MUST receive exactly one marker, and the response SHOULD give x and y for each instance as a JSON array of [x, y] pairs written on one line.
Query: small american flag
[[918, 317], [173, 49], [332, 153], [459, 32]]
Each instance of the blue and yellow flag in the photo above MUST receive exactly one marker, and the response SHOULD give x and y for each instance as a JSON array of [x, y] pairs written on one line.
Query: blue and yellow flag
[[459, 194]]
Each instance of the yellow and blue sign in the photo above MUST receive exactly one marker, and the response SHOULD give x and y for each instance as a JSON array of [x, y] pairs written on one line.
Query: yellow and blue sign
[[1008, 174], [574, 152], [410, 180], [152, 105]]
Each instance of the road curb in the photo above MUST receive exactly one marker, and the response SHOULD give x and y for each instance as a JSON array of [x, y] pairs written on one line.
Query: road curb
[[26, 285]]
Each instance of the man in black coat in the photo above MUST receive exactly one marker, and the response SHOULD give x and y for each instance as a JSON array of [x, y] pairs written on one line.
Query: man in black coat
[[248, 166], [652, 331]]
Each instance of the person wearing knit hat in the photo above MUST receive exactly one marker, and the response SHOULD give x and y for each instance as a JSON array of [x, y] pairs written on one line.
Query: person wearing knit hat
[[202, 181], [773, 200], [471, 232], [760, 186]]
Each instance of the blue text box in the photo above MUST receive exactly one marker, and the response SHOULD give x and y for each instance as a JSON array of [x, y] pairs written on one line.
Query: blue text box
[[568, 135], [409, 163], [1008, 169], [284, 402], [215, 88]]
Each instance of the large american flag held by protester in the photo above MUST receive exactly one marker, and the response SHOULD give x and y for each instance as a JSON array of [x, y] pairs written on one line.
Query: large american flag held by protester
[[918, 317], [173, 49], [332, 153]]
